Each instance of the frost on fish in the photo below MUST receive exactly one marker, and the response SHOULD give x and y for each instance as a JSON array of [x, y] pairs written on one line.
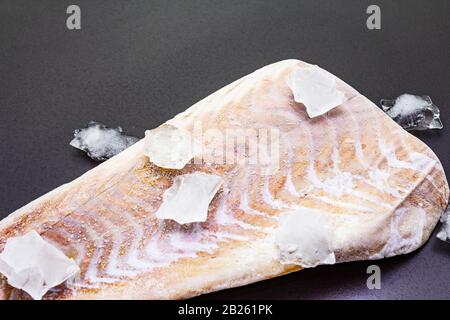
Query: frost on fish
[[101, 142], [444, 232], [413, 112], [363, 172]]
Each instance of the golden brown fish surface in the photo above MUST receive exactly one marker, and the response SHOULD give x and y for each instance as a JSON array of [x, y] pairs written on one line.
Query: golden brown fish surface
[[382, 188]]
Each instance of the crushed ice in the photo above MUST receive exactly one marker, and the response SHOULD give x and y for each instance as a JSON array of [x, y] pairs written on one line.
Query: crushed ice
[[101, 142], [444, 232], [413, 112]]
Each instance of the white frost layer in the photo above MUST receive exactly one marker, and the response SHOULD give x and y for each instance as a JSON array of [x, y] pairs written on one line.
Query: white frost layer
[[188, 199], [316, 89], [170, 147], [407, 104], [101, 142], [444, 232], [304, 238], [35, 266]]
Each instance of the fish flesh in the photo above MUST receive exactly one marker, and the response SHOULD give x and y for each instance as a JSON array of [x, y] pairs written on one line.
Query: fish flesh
[[382, 190]]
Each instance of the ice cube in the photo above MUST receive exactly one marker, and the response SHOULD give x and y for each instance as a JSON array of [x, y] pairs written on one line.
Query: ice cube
[[101, 142], [444, 232], [413, 112]]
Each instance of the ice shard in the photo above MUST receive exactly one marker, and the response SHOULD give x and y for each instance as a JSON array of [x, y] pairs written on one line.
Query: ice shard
[[101, 142], [444, 232], [413, 112]]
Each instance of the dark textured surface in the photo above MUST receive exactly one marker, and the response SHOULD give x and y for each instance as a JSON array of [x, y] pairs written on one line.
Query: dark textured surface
[[138, 63]]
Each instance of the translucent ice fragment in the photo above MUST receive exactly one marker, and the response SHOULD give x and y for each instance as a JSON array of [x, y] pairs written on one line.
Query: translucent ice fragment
[[304, 238], [444, 232], [188, 199], [34, 265], [101, 142], [316, 89], [170, 147], [413, 112]]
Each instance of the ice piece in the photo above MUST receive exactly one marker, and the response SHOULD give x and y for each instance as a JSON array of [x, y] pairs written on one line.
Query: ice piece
[[413, 112], [101, 142], [304, 238], [188, 199], [316, 89], [34, 265], [444, 232], [170, 147]]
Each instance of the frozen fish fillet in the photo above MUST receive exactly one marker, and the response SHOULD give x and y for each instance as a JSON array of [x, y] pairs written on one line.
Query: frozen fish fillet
[[381, 188]]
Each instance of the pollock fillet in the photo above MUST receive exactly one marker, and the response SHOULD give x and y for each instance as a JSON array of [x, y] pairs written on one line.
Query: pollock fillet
[[382, 188]]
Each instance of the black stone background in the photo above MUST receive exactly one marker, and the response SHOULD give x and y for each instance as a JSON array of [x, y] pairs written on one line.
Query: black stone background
[[139, 63]]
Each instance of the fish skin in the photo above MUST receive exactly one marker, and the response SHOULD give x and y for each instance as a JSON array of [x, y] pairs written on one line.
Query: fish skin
[[105, 219]]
